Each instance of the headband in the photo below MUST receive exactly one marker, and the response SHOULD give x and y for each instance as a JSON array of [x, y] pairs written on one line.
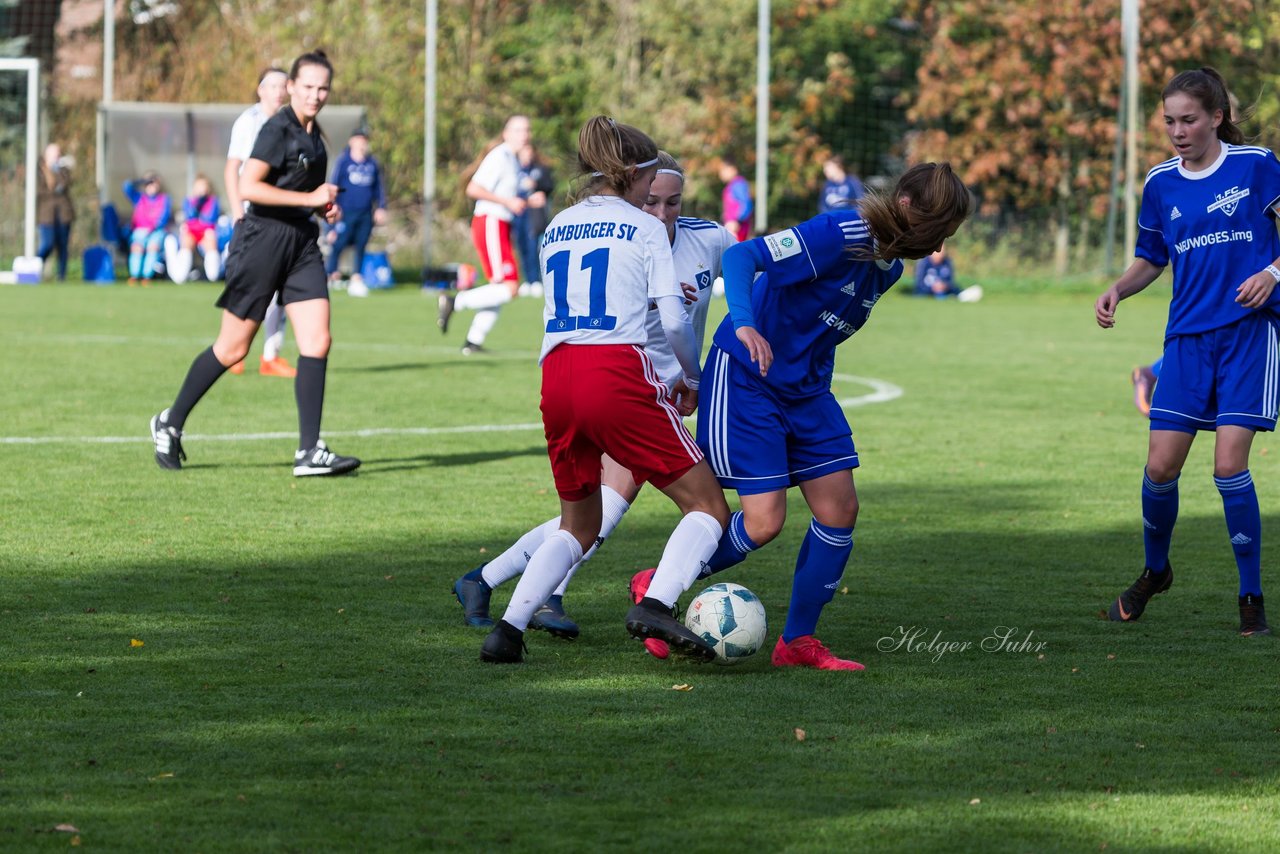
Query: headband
[[644, 165], [675, 172]]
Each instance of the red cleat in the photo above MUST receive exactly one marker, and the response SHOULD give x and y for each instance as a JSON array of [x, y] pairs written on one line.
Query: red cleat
[[237, 368], [808, 651], [1144, 386], [639, 586]]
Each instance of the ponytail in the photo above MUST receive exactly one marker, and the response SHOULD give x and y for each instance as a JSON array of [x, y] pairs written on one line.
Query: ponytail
[[610, 155], [936, 202]]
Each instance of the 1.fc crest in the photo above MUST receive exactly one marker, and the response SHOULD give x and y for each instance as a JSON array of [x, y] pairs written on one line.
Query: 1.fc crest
[[1228, 201]]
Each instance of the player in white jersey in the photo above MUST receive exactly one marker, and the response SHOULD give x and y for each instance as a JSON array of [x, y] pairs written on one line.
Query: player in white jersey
[[272, 95], [495, 185], [1210, 213], [696, 246], [604, 261]]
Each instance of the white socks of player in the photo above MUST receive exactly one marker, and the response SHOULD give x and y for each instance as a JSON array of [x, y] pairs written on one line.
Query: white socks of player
[[547, 568], [482, 325], [212, 266], [179, 264], [614, 507], [273, 329], [691, 544], [513, 561], [485, 296]]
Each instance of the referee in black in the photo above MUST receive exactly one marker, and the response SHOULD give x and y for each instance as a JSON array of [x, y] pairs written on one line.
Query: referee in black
[[274, 250]]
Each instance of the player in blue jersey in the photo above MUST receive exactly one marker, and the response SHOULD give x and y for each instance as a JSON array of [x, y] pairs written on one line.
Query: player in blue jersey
[[769, 420], [1210, 211], [696, 247]]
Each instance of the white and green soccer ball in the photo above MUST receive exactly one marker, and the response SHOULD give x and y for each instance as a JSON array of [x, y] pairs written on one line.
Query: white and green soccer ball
[[730, 618]]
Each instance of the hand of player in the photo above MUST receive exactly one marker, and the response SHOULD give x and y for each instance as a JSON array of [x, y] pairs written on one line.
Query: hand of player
[[320, 197], [380, 216], [332, 213], [1256, 290], [516, 205], [758, 348], [684, 398], [690, 293], [1104, 310]]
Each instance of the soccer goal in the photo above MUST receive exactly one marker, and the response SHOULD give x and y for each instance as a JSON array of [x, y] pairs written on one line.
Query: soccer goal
[[20, 105]]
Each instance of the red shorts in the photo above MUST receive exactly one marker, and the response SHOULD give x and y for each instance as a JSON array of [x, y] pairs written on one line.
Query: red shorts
[[492, 237], [607, 399], [198, 228]]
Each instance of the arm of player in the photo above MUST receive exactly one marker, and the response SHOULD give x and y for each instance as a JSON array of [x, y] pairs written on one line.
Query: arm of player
[[512, 203], [255, 189], [1256, 290], [1140, 274], [742, 262], [231, 180], [680, 335]]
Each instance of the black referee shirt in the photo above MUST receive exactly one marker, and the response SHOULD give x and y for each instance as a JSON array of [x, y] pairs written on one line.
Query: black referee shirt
[[297, 159]]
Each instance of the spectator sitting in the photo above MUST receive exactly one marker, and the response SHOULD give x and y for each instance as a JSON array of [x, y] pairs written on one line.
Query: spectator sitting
[[363, 201], [935, 277], [842, 190], [200, 212], [151, 214]]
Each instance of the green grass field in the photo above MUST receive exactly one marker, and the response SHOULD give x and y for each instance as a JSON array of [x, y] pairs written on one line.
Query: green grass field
[[304, 681]]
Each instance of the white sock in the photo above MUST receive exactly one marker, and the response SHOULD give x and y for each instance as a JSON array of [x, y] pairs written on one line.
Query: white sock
[[212, 266], [614, 507], [485, 296], [513, 561], [691, 544], [273, 326], [546, 569], [179, 265], [481, 325]]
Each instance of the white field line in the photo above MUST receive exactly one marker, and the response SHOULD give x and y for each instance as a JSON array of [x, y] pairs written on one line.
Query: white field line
[[881, 392]]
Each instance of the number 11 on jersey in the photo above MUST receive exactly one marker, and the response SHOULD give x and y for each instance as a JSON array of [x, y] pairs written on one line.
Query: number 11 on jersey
[[597, 264]]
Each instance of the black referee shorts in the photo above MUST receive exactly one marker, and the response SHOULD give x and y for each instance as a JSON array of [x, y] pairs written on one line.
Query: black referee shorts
[[267, 256]]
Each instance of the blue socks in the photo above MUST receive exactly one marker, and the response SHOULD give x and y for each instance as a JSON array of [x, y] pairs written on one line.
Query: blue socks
[[819, 566], [1159, 513], [1244, 525], [733, 549]]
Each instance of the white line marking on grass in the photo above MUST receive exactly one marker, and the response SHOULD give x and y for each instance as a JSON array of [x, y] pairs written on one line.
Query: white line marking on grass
[[881, 392]]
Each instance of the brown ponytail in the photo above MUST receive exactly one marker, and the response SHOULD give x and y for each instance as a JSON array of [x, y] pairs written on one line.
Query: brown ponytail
[[937, 201], [608, 152]]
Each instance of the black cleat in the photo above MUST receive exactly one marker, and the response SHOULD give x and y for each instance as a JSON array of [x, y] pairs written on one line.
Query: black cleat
[[1253, 619], [473, 596], [470, 349], [445, 303], [322, 461], [1130, 604], [504, 645], [168, 439], [651, 619], [550, 618]]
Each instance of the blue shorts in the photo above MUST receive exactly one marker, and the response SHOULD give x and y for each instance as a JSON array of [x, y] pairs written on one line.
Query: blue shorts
[[757, 443], [1227, 376]]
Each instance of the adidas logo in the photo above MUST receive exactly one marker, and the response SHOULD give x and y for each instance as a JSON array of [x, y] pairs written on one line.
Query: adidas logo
[[850, 289], [1176, 213], [832, 586], [1241, 540], [1147, 524]]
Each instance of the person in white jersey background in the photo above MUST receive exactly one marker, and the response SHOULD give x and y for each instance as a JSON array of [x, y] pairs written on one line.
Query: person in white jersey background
[[604, 261], [1209, 211], [495, 185], [696, 245], [272, 94]]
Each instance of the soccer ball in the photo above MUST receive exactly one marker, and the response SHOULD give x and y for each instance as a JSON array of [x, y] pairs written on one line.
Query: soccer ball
[[730, 618]]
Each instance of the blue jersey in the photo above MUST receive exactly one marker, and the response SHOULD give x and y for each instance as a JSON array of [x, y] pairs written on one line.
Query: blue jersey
[[1216, 226], [814, 292]]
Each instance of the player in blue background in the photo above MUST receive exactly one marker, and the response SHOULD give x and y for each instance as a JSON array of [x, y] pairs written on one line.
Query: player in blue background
[[1210, 211], [769, 420]]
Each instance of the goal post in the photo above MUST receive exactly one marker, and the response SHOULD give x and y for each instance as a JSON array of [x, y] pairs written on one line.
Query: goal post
[[31, 67]]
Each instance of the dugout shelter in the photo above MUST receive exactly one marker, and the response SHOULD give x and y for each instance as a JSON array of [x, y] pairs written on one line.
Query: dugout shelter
[[181, 140]]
